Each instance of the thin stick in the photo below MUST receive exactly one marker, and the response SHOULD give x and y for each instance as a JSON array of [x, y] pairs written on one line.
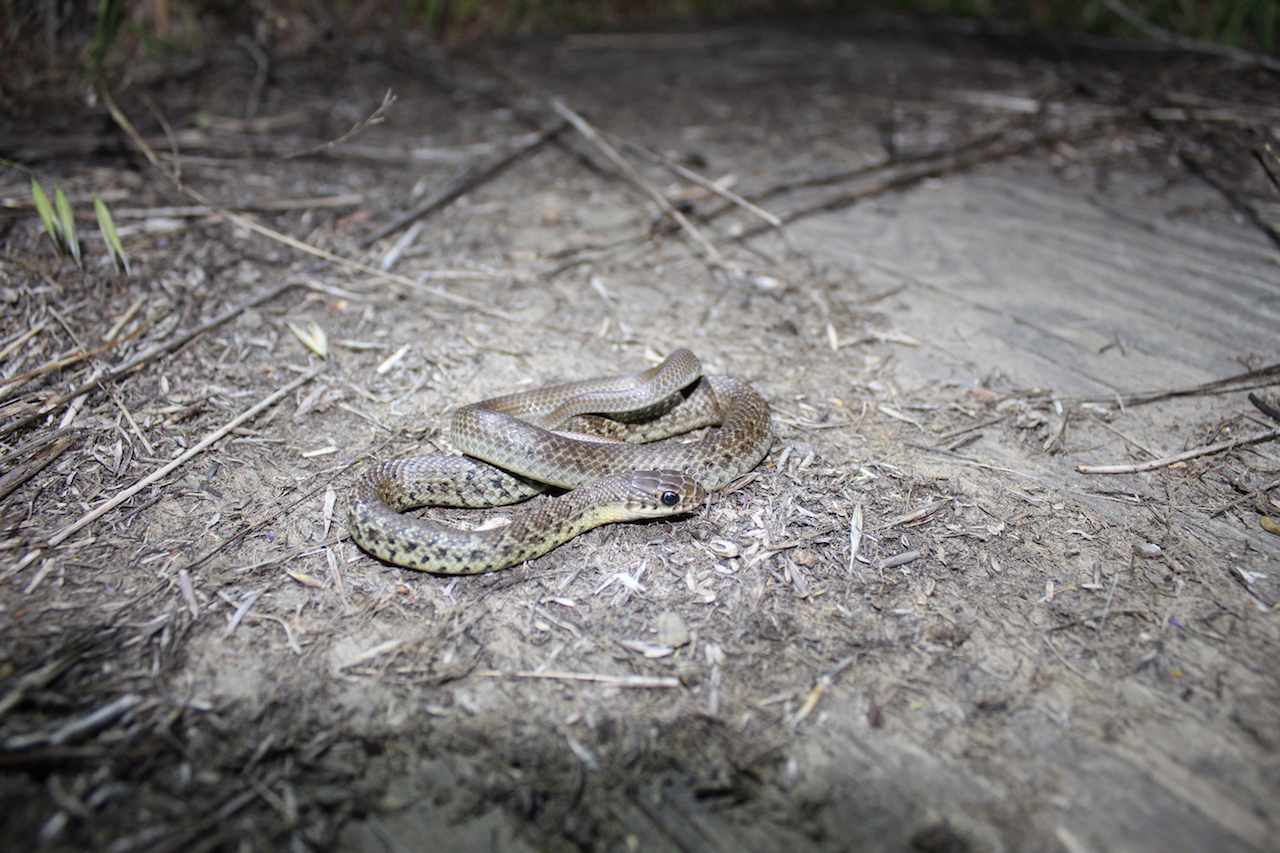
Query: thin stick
[[19, 474], [898, 175], [257, 228], [128, 315], [1238, 200], [128, 416], [19, 687], [1130, 440], [22, 339], [267, 206], [1262, 377], [376, 117], [466, 179], [691, 175], [1165, 462], [30, 447], [917, 515], [959, 431], [600, 678], [593, 136], [1266, 167], [175, 151], [1265, 407], [1071, 669], [59, 363], [976, 463], [819, 688], [161, 472], [1106, 608], [144, 357]]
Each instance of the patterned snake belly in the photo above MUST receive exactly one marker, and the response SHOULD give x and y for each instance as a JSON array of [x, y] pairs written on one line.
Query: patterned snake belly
[[513, 454]]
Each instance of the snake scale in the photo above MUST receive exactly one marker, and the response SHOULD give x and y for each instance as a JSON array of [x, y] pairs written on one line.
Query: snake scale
[[589, 436]]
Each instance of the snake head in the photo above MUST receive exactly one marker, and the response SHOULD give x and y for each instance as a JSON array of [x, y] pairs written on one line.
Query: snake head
[[652, 494]]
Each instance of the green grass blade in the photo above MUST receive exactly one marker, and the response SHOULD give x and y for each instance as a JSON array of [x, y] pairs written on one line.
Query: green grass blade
[[311, 335], [45, 209], [67, 223], [107, 224], [434, 14], [106, 26]]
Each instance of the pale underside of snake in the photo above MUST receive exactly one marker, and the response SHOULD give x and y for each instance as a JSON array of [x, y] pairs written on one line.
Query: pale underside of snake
[[513, 454]]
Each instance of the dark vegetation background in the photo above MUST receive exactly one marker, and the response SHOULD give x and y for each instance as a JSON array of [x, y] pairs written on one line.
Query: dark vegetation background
[[87, 36]]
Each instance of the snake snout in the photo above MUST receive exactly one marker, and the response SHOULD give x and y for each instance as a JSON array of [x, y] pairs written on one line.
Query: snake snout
[[658, 493]]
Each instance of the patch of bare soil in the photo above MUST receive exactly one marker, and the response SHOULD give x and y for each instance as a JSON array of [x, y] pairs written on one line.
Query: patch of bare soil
[[914, 627]]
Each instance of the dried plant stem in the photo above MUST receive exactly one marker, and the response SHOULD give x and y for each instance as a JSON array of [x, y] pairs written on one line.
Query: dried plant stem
[[163, 471], [144, 357], [122, 120], [59, 363], [1262, 377], [880, 179], [53, 446], [376, 117], [21, 341], [819, 689], [128, 416], [596, 677], [465, 180], [711, 186], [1166, 461], [593, 136], [266, 206]]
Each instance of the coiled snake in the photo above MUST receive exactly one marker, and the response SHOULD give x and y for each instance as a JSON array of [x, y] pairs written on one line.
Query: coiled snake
[[513, 454]]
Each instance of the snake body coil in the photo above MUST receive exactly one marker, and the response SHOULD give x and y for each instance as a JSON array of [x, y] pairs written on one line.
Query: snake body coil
[[513, 454]]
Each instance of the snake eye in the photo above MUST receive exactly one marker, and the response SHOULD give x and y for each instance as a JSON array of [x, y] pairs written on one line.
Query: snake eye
[[669, 498]]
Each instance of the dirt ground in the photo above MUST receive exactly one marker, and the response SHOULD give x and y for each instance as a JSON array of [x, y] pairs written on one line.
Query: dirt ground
[[1019, 656]]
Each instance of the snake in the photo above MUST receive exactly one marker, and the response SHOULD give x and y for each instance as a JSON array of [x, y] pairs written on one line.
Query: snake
[[592, 437]]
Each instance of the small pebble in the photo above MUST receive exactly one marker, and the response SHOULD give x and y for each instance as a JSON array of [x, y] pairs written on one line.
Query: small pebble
[[672, 630]]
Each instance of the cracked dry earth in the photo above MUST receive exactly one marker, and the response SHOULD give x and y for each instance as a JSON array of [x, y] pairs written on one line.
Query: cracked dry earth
[[991, 244]]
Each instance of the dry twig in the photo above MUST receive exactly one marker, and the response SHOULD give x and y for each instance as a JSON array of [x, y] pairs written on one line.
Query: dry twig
[[919, 514], [163, 471], [59, 363], [819, 689], [593, 136], [1208, 450], [598, 678], [464, 180], [898, 174], [1259, 378], [147, 356], [376, 117], [122, 120], [711, 186], [50, 447]]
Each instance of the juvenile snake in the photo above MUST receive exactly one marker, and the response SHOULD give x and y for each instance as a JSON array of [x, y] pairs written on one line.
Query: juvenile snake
[[512, 454]]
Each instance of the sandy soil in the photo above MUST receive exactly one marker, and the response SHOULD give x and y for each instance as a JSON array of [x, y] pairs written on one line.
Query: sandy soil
[[1017, 657]]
